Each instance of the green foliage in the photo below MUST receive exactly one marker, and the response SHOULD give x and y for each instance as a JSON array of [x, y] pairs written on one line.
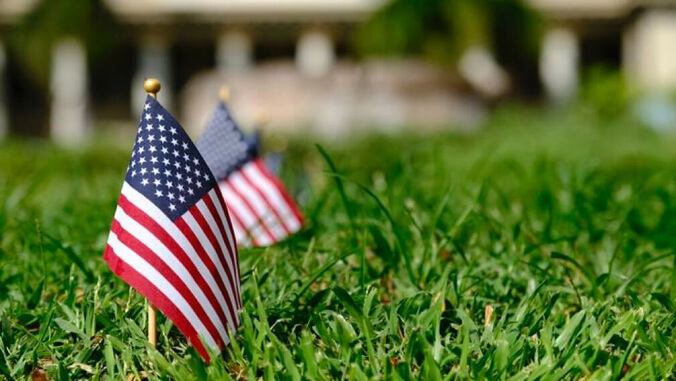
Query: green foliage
[[87, 20], [441, 30], [563, 229], [606, 92]]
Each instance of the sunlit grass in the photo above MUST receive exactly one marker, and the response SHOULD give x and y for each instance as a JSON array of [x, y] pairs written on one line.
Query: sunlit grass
[[540, 248]]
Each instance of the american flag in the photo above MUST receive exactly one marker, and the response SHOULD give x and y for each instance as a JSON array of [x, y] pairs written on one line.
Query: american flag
[[171, 237], [262, 211]]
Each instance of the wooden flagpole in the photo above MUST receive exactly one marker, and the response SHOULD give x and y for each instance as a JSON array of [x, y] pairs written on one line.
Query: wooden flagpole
[[224, 94], [152, 86]]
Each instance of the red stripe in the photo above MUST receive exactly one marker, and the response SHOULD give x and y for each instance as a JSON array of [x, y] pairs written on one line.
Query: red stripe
[[247, 204], [142, 218], [129, 240], [202, 222], [234, 256], [237, 216], [156, 298], [197, 245], [267, 202], [292, 205]]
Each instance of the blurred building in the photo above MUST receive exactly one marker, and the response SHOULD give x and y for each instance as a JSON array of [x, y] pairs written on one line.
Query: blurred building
[[294, 58]]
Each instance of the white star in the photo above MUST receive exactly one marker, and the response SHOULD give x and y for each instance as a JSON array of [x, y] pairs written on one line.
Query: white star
[[181, 198], [184, 145], [165, 150], [165, 161], [147, 106], [199, 184], [133, 164], [144, 171], [186, 157], [160, 117], [167, 172], [153, 149], [142, 160], [190, 191], [144, 182], [197, 172], [148, 117], [141, 149], [151, 138], [187, 168], [139, 140], [133, 173], [179, 176], [157, 183], [206, 176], [170, 196], [177, 165], [180, 187], [161, 128], [149, 127], [170, 184], [172, 207], [174, 142], [189, 180], [155, 171], [172, 130], [158, 193], [175, 153], [163, 139], [153, 160]]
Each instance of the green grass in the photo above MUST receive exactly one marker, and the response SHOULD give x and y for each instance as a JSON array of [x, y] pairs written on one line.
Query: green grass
[[563, 226]]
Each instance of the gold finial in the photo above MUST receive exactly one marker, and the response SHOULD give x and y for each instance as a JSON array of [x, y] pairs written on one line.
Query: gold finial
[[224, 94], [262, 118], [152, 86]]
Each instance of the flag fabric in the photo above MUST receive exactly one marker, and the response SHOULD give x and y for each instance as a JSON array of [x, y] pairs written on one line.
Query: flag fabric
[[262, 210], [171, 237]]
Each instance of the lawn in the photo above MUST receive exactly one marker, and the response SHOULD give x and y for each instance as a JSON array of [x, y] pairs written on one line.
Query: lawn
[[540, 248]]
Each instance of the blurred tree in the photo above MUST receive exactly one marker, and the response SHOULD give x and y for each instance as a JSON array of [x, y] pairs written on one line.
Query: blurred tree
[[442, 30], [87, 20]]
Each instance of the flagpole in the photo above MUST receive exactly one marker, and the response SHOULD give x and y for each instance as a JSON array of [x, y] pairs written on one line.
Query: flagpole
[[224, 94], [152, 86]]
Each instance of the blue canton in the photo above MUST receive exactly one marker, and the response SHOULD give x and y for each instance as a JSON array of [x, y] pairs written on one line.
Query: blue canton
[[223, 144], [165, 165]]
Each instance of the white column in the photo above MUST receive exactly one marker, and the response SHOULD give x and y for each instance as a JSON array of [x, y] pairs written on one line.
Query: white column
[[234, 51], [68, 124], [559, 64], [153, 61], [315, 53], [4, 116], [649, 56], [479, 68]]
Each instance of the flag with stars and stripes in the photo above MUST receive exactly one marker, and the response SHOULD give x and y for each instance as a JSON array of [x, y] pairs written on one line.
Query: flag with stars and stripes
[[262, 210], [171, 237]]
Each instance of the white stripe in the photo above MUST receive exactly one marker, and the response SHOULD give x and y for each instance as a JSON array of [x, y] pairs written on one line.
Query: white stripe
[[213, 226], [238, 207], [161, 219], [272, 193], [232, 244], [165, 287], [242, 239], [219, 209], [206, 244], [258, 204], [157, 247]]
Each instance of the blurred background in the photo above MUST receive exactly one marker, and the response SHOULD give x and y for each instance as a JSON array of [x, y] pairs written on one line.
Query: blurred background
[[72, 69]]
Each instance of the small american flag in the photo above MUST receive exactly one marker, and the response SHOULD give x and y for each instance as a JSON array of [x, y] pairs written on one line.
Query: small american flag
[[171, 237], [262, 211]]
